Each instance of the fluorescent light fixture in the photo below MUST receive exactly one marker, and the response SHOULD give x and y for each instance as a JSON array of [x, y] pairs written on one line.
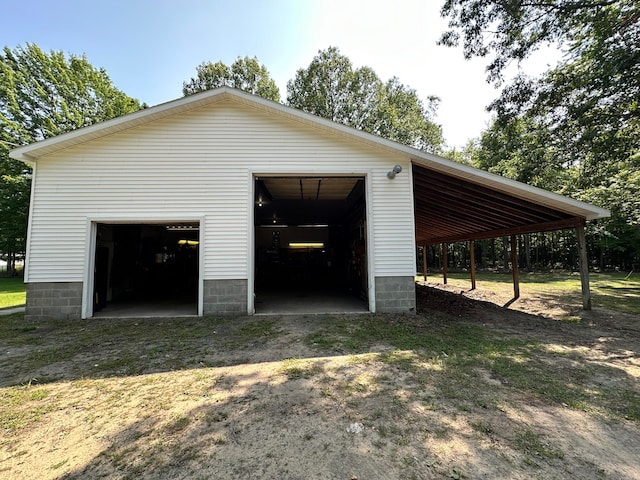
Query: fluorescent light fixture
[[182, 228], [306, 245], [314, 226], [191, 243]]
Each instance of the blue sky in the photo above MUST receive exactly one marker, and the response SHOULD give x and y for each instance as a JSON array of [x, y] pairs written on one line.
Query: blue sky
[[150, 47]]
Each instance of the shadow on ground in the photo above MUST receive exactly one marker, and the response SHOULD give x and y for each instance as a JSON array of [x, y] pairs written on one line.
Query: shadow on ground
[[39, 353]]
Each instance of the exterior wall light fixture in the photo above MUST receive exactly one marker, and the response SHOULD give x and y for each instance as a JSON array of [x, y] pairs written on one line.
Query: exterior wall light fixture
[[391, 174]]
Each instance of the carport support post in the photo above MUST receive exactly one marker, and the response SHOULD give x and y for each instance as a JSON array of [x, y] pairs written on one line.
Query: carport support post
[[514, 267], [584, 266], [444, 263], [472, 260], [424, 262]]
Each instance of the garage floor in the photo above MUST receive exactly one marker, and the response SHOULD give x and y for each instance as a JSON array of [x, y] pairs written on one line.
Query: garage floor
[[266, 304], [148, 310], [308, 302]]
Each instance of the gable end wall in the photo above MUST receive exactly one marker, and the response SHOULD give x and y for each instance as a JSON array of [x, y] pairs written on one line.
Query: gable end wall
[[201, 165]]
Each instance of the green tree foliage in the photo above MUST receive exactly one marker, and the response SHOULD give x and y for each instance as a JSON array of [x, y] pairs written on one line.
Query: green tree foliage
[[42, 95], [467, 155], [14, 207], [332, 88], [244, 74], [576, 129]]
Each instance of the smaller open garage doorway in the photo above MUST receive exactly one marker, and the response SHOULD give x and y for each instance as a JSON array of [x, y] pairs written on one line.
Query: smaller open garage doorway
[[146, 269], [311, 245]]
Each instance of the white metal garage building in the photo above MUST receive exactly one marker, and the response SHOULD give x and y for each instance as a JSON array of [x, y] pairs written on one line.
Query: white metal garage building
[[227, 203]]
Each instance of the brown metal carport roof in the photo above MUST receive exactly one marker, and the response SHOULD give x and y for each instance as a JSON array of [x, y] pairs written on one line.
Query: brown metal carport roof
[[455, 202], [450, 209]]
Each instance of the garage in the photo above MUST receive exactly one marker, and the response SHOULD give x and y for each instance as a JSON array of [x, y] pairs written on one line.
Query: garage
[[311, 244], [146, 269], [225, 203]]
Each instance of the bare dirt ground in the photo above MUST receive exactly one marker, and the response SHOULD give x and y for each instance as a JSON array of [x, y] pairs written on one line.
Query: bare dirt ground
[[464, 389]]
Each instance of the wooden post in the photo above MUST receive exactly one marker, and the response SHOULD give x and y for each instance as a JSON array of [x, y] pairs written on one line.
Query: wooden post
[[472, 260], [583, 260], [514, 267], [424, 262], [444, 263]]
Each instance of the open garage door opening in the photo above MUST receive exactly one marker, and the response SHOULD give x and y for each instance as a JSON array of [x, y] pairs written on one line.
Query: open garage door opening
[[146, 270], [311, 245]]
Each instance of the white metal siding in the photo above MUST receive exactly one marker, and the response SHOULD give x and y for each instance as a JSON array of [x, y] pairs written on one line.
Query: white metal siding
[[197, 165]]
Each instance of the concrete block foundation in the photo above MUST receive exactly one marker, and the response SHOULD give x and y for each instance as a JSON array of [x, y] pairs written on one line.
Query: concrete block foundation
[[53, 301], [225, 297], [395, 295]]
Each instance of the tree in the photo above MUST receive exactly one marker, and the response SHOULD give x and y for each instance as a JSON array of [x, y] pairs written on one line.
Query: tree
[[575, 129], [332, 88], [244, 74], [588, 104], [14, 208], [512, 30], [467, 155], [402, 117], [42, 95]]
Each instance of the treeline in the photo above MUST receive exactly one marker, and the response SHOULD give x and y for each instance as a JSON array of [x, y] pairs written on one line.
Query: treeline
[[537, 252]]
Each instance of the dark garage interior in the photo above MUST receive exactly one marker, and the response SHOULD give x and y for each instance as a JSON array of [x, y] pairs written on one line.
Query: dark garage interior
[[146, 269], [311, 246]]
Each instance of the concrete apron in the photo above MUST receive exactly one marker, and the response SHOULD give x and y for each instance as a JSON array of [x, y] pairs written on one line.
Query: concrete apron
[[10, 311]]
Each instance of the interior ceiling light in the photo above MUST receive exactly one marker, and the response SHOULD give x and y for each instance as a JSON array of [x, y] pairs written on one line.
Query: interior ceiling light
[[182, 228], [306, 245], [391, 174]]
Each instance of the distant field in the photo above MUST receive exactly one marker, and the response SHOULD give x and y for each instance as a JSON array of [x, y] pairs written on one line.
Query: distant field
[[12, 292], [609, 290]]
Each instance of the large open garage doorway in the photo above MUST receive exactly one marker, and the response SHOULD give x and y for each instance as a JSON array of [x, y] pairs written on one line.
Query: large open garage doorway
[[146, 270], [311, 245]]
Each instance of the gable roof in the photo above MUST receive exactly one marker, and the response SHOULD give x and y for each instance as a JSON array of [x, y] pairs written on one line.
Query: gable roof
[[429, 169]]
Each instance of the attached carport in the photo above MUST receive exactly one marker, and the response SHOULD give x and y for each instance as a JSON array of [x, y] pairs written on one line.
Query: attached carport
[[457, 203]]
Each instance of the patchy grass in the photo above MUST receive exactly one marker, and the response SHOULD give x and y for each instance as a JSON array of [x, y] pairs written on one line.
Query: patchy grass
[[12, 292], [448, 356], [97, 348], [295, 368], [438, 395], [22, 406], [535, 447]]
